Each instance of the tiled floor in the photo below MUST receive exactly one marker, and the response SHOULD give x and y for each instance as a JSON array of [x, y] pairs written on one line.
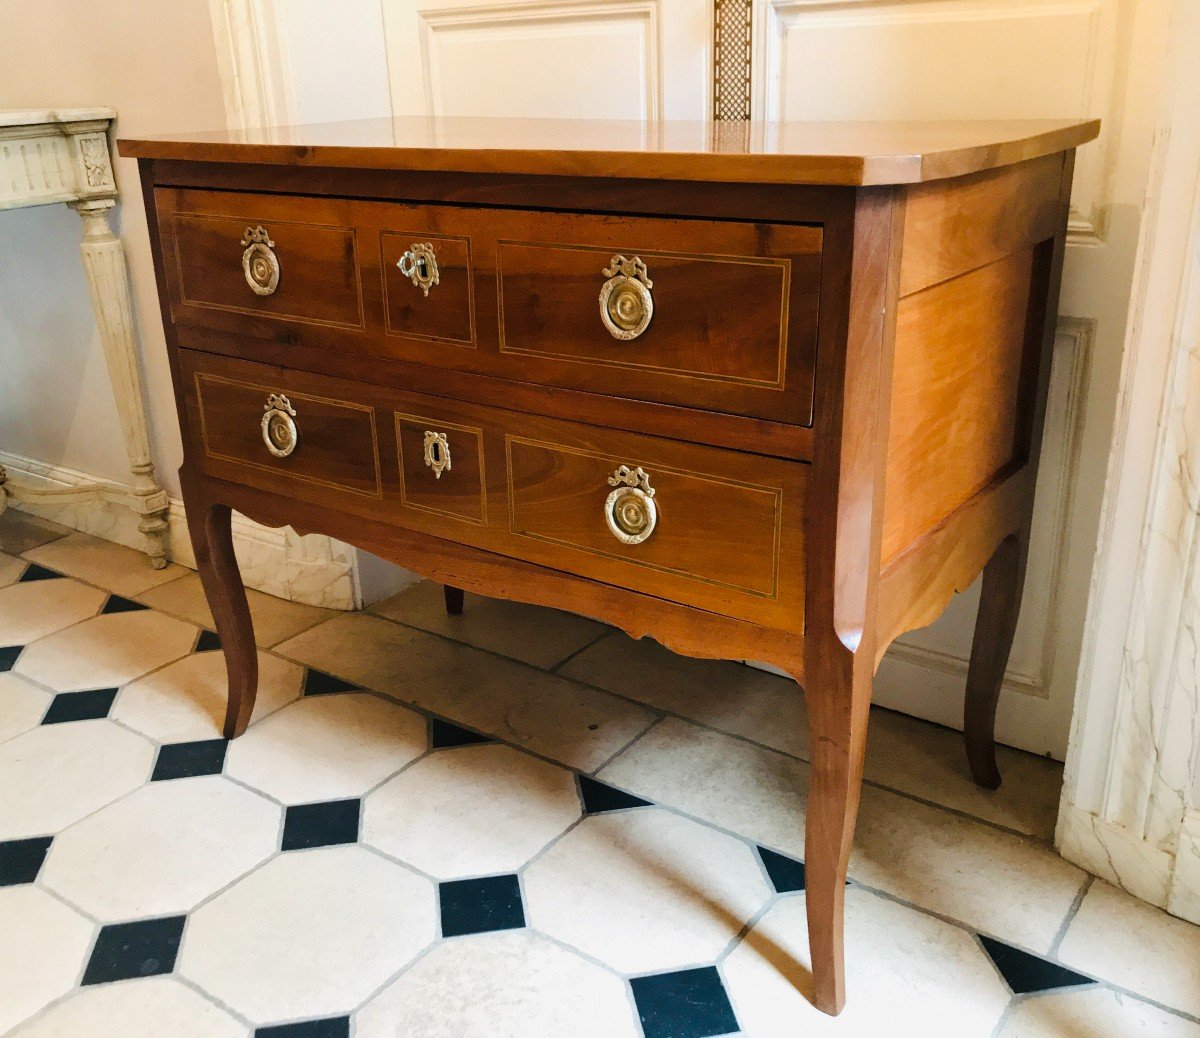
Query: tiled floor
[[509, 823]]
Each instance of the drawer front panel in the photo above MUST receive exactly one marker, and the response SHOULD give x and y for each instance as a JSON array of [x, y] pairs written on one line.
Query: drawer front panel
[[335, 441], [441, 466], [441, 311], [282, 260], [728, 529], [731, 309], [717, 315], [705, 528]]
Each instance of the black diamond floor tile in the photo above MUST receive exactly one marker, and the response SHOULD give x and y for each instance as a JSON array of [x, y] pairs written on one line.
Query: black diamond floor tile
[[35, 572], [144, 948], [598, 798], [21, 860], [318, 683], [786, 874], [8, 656], [684, 1004], [333, 1027], [117, 604], [80, 706], [320, 825], [1027, 973], [481, 905], [208, 641], [190, 759], [444, 735]]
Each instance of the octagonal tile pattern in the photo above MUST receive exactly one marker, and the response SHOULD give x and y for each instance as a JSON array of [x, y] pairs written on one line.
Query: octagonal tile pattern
[[23, 705], [309, 934], [162, 849], [645, 889], [906, 974], [471, 811], [501, 985], [54, 775], [185, 700], [351, 866], [43, 944], [32, 609], [326, 747], [152, 1006], [106, 650]]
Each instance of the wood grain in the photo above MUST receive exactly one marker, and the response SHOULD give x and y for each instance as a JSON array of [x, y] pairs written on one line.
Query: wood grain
[[960, 351], [954, 226], [842, 153]]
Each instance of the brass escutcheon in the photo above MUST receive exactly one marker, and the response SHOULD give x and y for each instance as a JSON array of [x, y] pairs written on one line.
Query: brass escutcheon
[[437, 453], [419, 265]]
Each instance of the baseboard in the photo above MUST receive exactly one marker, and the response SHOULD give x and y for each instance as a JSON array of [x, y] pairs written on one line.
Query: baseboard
[[1115, 854], [313, 570], [104, 508]]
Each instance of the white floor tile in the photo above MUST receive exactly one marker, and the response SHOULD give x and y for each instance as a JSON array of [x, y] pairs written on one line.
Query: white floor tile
[[501, 985], [907, 976], [20, 531], [43, 944], [1095, 1013], [310, 934], [730, 696], [107, 650], [151, 1006], [551, 716], [645, 890], [542, 637], [274, 618], [22, 705], [471, 811], [325, 747], [36, 608], [56, 774], [1136, 946], [185, 700], [163, 849], [110, 566]]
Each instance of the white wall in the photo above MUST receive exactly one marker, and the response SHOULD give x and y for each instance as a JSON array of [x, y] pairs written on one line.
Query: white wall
[[155, 63]]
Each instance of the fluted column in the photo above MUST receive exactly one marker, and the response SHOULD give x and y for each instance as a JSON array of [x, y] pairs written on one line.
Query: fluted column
[[108, 285]]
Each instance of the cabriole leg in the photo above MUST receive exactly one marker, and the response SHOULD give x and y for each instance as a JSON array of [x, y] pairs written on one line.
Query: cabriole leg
[[999, 606], [209, 525]]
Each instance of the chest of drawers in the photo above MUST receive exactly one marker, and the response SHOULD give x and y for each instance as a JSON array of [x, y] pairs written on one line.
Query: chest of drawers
[[767, 392]]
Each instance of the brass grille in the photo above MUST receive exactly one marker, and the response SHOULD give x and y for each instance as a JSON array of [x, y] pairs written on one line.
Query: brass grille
[[733, 24]]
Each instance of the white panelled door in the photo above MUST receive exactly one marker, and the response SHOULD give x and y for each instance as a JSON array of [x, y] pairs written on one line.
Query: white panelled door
[[822, 59], [598, 59], [964, 59]]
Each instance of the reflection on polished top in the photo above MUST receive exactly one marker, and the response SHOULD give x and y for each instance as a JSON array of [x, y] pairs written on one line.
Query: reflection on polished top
[[780, 153]]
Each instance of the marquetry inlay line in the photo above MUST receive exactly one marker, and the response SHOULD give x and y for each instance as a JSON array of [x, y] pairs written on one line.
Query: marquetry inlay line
[[733, 22], [776, 493]]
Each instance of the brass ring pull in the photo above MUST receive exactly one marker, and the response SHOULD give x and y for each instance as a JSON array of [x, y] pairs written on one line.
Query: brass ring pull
[[437, 453], [630, 511], [419, 265], [626, 304], [279, 430], [259, 262]]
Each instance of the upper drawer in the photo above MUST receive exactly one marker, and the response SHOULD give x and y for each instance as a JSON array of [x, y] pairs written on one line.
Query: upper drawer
[[238, 257], [710, 314]]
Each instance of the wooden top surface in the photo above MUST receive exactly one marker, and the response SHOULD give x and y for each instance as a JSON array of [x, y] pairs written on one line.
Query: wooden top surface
[[847, 153]]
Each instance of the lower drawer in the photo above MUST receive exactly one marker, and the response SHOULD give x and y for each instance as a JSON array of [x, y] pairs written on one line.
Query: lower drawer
[[704, 526]]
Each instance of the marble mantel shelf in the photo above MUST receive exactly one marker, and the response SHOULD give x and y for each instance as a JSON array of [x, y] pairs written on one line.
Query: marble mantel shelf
[[62, 155]]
